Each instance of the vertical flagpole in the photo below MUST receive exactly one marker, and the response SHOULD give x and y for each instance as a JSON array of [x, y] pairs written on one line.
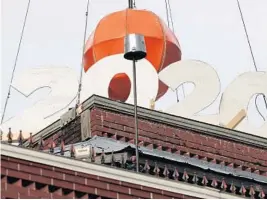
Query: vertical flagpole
[[135, 50], [135, 117], [135, 105]]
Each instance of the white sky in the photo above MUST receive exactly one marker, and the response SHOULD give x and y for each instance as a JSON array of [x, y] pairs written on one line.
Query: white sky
[[208, 30]]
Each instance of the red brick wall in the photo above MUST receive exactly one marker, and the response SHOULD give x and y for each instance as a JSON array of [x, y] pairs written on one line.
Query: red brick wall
[[79, 185], [177, 140], [70, 134]]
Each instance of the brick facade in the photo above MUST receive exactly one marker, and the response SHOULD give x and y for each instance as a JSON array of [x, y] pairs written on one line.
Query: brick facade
[[201, 141], [168, 138], [70, 134], [177, 140], [23, 179]]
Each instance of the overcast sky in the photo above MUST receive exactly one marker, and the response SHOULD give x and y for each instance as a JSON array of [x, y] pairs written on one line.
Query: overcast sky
[[208, 30]]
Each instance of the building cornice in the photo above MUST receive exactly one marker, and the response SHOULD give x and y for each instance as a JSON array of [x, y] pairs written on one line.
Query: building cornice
[[164, 118], [112, 173]]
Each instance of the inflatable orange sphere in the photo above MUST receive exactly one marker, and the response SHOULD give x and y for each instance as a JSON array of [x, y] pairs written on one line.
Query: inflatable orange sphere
[[108, 39]]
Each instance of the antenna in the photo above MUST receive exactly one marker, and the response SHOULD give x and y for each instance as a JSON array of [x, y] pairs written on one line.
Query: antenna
[[84, 41], [16, 60]]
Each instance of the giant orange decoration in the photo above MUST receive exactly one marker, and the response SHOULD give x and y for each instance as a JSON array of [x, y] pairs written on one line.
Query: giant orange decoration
[[108, 39]]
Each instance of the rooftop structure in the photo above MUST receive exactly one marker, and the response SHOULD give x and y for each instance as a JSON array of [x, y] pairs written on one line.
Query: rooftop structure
[[179, 158], [105, 148]]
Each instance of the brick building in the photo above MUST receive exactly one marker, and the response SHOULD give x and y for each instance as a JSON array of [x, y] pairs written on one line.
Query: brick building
[[179, 158]]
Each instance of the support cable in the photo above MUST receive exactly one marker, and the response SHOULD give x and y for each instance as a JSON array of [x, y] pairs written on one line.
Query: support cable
[[248, 41], [134, 5], [253, 58], [15, 62], [167, 13], [171, 18], [82, 65], [171, 26], [258, 107]]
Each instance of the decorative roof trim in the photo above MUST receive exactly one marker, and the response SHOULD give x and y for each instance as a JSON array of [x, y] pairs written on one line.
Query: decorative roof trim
[[164, 118], [113, 173], [117, 146]]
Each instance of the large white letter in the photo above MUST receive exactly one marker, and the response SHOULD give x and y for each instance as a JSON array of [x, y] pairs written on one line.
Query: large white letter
[[236, 97], [97, 79], [205, 80], [63, 84]]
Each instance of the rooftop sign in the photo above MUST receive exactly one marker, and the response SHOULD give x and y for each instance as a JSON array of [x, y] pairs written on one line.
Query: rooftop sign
[[64, 86]]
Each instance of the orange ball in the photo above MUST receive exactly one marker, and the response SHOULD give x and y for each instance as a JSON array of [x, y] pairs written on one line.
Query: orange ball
[[108, 39]]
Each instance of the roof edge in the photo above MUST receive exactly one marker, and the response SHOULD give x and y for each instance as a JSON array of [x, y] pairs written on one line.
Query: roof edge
[[112, 173], [96, 101], [176, 121]]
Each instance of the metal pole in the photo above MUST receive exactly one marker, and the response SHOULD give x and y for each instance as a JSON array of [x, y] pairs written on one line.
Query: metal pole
[[130, 2], [135, 117]]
